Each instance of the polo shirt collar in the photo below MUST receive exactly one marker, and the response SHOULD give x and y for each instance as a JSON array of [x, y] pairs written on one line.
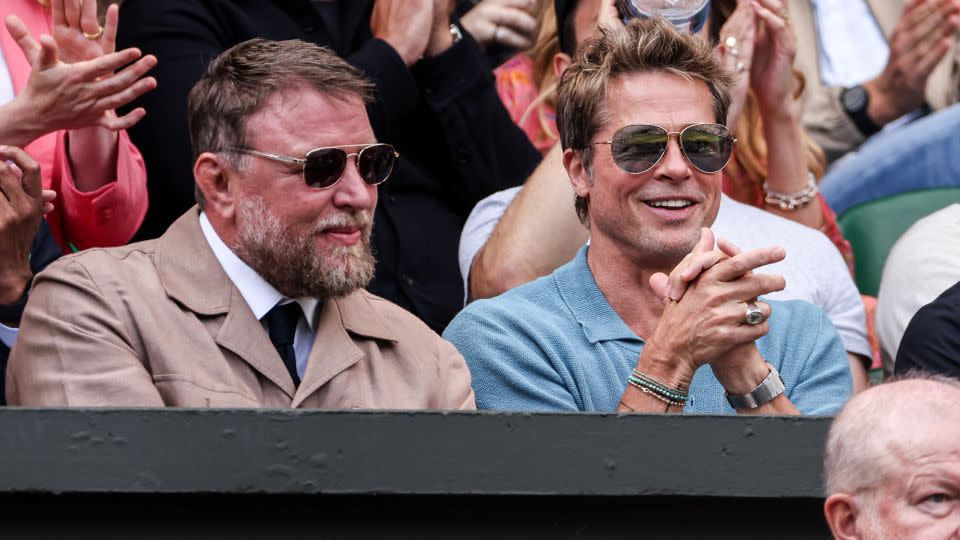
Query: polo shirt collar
[[586, 302]]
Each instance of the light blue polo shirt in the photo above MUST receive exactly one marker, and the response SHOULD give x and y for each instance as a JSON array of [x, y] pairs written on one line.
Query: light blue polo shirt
[[556, 344]]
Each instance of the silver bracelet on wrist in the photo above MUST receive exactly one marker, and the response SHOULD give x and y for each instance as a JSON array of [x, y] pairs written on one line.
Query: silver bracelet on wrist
[[771, 387], [792, 201]]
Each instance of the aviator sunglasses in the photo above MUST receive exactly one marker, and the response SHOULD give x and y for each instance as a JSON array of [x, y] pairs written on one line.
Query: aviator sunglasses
[[638, 148], [323, 167]]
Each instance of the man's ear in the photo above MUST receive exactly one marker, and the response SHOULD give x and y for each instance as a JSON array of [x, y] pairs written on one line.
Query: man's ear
[[841, 511], [214, 180], [561, 61], [579, 176]]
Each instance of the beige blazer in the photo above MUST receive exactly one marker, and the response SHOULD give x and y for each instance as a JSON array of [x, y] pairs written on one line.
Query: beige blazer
[[824, 118], [159, 323]]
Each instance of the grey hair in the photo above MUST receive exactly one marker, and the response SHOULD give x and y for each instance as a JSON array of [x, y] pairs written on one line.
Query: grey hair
[[856, 444]]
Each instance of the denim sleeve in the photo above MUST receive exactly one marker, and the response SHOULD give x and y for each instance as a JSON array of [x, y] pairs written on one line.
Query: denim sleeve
[[510, 371]]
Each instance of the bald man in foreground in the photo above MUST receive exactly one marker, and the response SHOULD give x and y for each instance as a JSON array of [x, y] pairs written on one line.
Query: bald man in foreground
[[893, 462]]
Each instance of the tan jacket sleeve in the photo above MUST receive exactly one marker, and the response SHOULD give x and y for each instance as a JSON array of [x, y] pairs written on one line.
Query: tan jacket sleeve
[[457, 392], [75, 347]]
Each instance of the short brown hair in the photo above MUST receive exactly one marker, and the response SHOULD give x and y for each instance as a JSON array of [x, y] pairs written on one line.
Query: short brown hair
[[644, 45], [240, 80]]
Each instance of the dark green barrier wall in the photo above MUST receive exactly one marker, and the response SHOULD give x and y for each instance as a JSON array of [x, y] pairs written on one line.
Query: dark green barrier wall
[[274, 474]]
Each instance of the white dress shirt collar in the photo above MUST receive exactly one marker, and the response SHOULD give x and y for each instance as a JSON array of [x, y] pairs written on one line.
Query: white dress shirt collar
[[259, 295]]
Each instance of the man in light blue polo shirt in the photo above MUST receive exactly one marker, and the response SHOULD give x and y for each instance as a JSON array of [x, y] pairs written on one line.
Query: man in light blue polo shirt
[[651, 317]]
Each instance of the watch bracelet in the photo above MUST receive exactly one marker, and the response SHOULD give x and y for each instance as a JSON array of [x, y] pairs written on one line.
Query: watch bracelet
[[769, 389]]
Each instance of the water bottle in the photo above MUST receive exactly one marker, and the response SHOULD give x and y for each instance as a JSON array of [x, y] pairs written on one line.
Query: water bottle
[[686, 15]]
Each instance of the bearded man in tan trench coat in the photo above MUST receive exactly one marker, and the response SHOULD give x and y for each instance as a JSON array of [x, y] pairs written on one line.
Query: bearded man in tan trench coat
[[286, 171]]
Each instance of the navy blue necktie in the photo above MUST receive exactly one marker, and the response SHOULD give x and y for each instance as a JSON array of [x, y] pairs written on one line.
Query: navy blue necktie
[[282, 326]]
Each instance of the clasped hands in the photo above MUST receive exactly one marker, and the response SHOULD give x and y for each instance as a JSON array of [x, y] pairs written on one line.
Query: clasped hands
[[414, 28], [704, 316]]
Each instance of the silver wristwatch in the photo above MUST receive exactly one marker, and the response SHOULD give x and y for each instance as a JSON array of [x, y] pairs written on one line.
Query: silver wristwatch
[[770, 388]]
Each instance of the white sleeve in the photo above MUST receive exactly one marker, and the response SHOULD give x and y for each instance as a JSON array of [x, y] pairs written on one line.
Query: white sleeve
[[478, 228], [842, 301]]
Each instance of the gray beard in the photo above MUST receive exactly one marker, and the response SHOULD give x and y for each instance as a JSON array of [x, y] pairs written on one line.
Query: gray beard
[[289, 260]]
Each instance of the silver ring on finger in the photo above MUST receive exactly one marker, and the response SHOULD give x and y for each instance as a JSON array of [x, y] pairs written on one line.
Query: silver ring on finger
[[496, 33], [739, 67], [753, 314]]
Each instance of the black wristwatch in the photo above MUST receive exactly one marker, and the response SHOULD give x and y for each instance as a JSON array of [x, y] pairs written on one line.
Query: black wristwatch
[[855, 101]]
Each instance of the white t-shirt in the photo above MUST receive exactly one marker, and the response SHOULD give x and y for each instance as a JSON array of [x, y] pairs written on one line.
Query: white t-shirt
[[813, 268], [923, 263]]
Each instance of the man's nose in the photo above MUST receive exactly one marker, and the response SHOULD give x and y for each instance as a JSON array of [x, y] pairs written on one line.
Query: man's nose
[[674, 165], [352, 191]]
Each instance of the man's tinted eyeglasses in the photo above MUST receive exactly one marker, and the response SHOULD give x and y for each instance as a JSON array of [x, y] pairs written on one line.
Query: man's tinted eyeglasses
[[638, 148], [323, 167]]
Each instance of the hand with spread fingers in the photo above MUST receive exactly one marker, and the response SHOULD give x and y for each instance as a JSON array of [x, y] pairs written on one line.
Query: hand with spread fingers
[[922, 37], [60, 95], [511, 23], [21, 205], [77, 30], [709, 298]]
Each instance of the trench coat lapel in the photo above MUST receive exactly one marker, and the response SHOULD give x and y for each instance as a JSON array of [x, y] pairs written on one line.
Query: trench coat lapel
[[193, 277], [334, 349]]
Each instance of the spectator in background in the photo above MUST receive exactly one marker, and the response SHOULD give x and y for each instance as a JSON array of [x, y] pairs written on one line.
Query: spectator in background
[[870, 68], [539, 231], [893, 462], [435, 100], [26, 245], [58, 93], [923, 263], [500, 27], [253, 299], [931, 341], [574, 339]]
